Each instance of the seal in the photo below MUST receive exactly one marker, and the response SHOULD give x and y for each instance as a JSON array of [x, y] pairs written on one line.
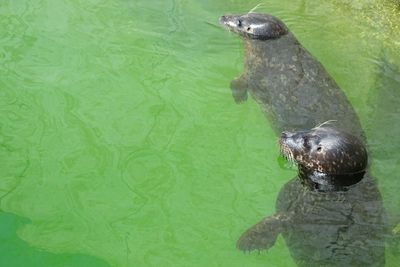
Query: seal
[[292, 87], [332, 213]]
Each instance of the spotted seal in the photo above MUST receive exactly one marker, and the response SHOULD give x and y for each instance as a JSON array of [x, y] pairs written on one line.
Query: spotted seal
[[331, 214], [292, 87]]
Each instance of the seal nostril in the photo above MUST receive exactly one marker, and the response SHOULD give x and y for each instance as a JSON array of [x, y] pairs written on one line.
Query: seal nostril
[[305, 142]]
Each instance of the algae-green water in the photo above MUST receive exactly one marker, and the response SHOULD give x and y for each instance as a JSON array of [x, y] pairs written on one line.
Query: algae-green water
[[121, 145]]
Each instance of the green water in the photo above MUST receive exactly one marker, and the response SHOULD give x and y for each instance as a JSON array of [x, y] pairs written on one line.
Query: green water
[[120, 143]]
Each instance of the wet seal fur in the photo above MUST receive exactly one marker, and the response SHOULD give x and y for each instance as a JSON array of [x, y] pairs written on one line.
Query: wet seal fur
[[293, 89], [325, 219], [327, 159]]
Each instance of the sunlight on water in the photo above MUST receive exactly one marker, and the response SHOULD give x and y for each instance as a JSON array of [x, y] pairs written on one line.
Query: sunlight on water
[[120, 141]]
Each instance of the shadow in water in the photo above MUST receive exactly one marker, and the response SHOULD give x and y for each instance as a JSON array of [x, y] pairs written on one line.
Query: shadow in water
[[385, 111], [15, 252], [384, 132]]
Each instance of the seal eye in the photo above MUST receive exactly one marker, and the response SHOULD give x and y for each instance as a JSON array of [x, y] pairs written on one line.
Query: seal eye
[[248, 29], [319, 149]]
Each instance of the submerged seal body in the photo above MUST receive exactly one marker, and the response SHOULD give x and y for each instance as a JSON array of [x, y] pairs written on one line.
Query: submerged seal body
[[331, 214], [293, 89]]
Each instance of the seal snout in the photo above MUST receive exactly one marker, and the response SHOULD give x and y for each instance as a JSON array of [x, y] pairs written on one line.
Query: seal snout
[[287, 145], [229, 21], [223, 19], [286, 135], [283, 139], [291, 140]]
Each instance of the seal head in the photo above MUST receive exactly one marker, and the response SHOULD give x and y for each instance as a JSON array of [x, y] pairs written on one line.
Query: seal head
[[328, 159], [255, 25]]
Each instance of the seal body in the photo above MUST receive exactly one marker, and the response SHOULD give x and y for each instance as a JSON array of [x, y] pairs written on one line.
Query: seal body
[[332, 213], [293, 89]]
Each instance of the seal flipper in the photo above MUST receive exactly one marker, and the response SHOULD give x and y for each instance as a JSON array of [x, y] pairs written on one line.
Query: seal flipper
[[262, 236], [239, 89]]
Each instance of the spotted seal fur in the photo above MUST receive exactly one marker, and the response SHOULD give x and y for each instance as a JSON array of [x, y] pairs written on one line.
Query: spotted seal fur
[[292, 87], [328, 159], [331, 214]]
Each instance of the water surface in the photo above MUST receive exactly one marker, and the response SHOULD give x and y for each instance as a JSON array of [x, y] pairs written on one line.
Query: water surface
[[120, 143]]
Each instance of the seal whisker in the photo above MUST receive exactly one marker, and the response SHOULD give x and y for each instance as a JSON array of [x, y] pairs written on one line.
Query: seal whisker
[[287, 153], [323, 124], [215, 25], [254, 8]]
